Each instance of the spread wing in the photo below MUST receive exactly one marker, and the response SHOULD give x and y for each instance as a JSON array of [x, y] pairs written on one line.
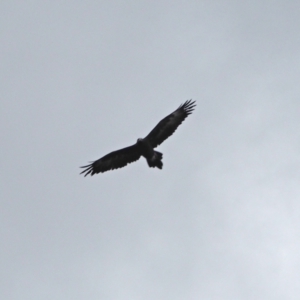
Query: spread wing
[[167, 126], [114, 160]]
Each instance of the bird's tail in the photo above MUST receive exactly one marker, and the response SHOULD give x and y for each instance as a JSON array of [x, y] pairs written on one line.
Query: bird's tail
[[155, 160]]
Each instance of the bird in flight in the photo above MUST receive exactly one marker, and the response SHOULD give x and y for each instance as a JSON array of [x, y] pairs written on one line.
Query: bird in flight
[[143, 147]]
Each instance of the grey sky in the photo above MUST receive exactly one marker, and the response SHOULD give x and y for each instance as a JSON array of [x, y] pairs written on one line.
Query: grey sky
[[81, 79]]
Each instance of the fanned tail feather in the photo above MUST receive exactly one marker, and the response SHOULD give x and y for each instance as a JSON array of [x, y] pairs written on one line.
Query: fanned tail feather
[[156, 160]]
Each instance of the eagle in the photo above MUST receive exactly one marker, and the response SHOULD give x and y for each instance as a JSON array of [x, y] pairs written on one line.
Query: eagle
[[143, 147]]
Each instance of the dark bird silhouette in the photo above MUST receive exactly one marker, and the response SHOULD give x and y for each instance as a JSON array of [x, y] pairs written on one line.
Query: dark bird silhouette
[[143, 147]]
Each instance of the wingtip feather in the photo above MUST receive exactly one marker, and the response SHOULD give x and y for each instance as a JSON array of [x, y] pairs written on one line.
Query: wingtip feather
[[188, 106], [88, 170]]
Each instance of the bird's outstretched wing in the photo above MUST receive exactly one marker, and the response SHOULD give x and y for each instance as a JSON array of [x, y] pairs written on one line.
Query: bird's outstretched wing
[[167, 126], [114, 160]]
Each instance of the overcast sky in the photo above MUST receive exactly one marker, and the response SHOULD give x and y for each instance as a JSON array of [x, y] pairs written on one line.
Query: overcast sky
[[80, 79]]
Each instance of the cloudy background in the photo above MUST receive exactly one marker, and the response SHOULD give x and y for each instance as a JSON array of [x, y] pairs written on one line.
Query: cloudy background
[[82, 78]]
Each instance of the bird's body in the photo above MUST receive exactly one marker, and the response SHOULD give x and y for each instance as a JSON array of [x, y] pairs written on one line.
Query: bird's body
[[153, 157], [143, 147]]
